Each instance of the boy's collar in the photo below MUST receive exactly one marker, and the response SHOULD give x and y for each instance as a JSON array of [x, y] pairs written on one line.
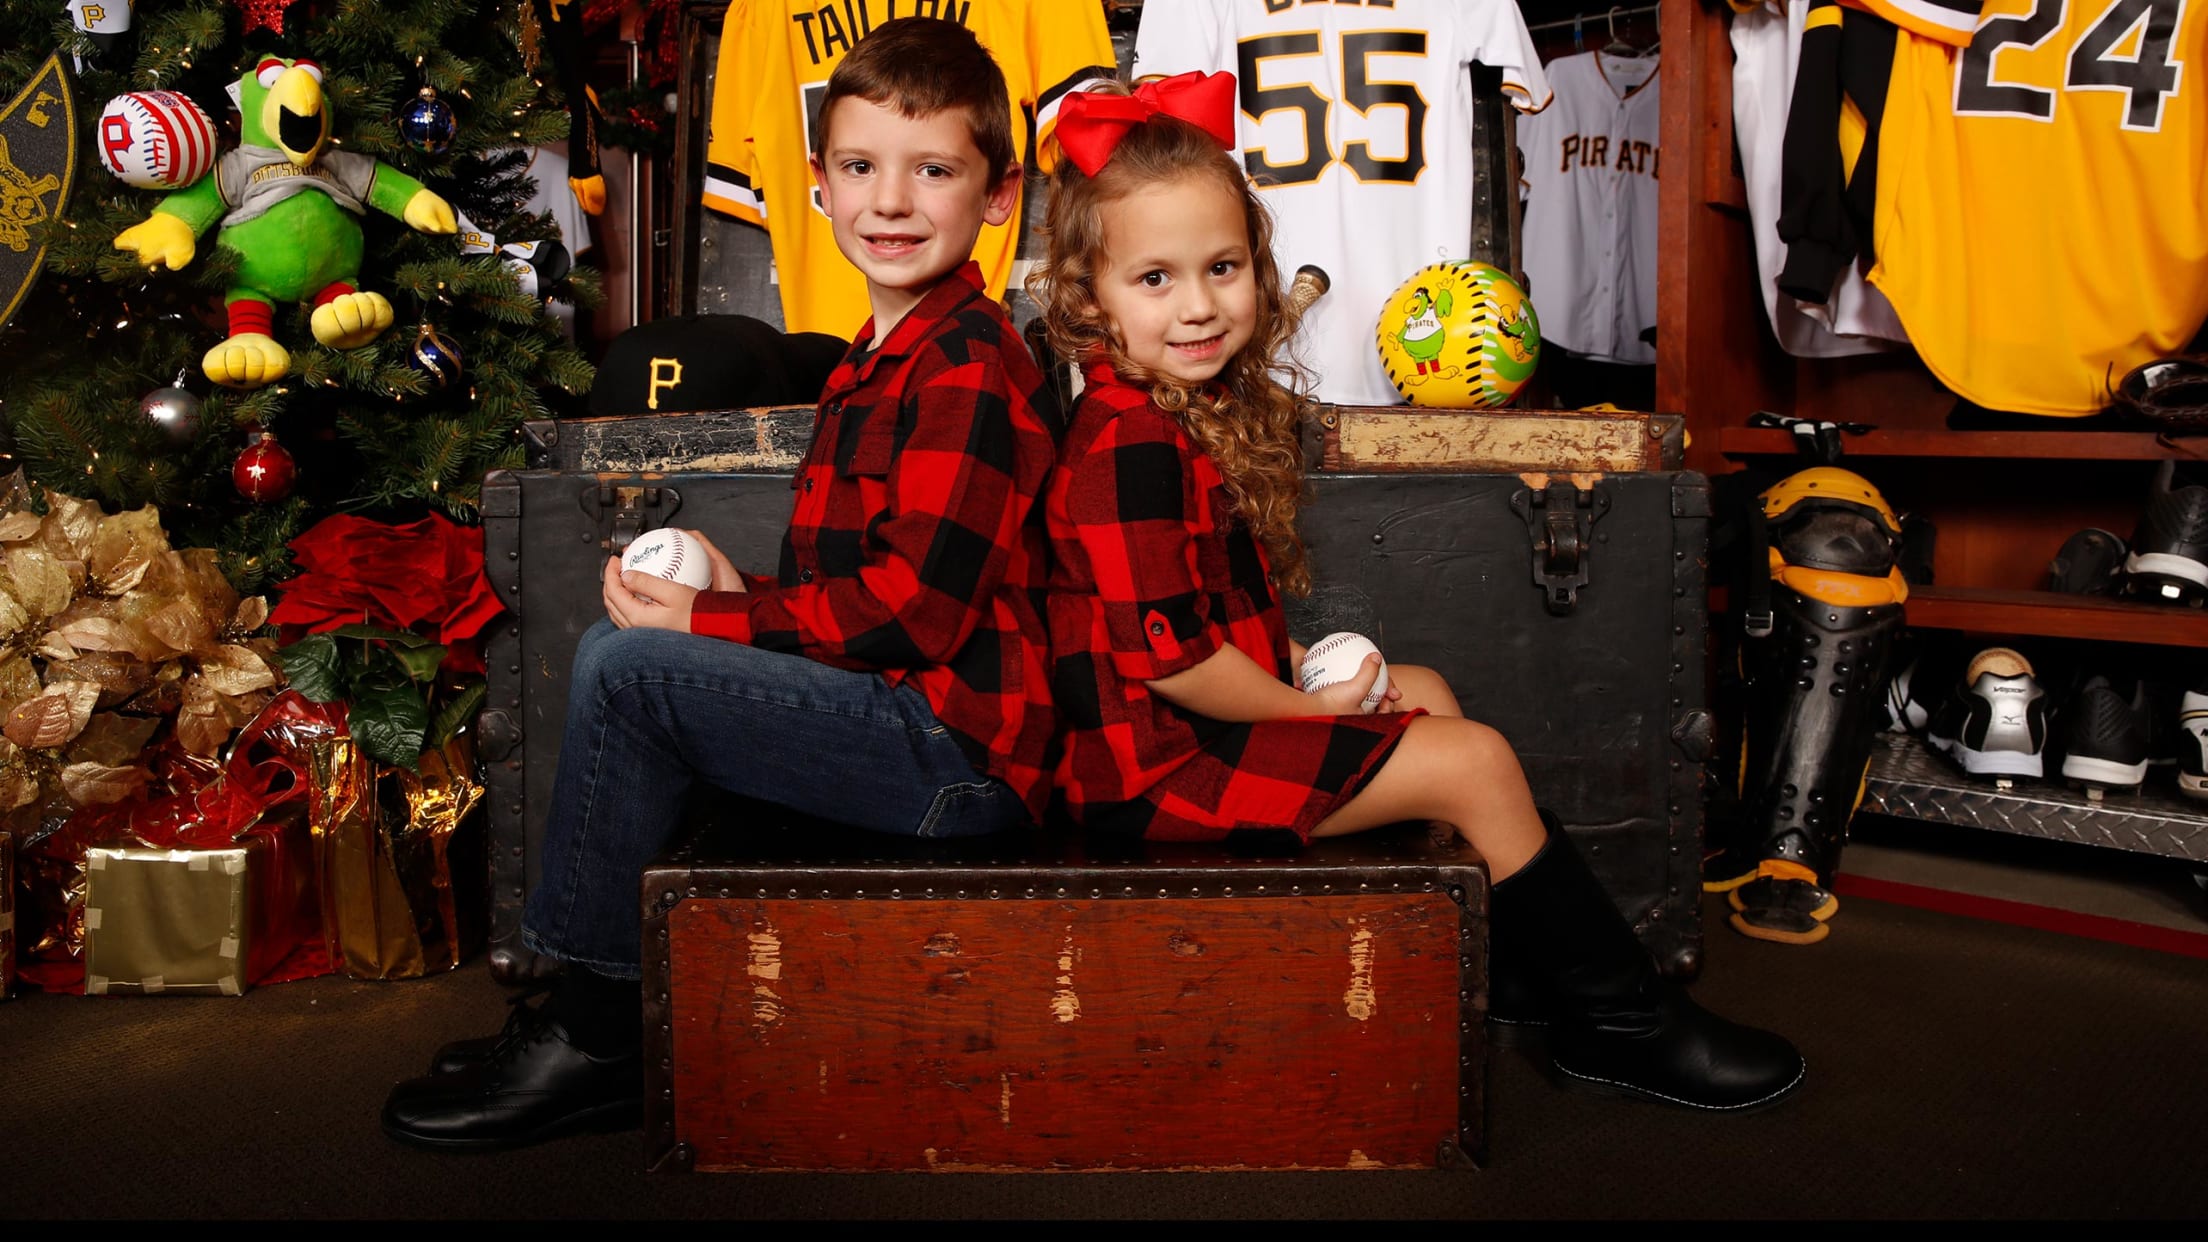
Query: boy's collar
[[954, 290]]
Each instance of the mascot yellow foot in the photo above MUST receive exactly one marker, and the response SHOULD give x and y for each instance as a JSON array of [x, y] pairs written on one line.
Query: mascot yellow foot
[[351, 320], [247, 360]]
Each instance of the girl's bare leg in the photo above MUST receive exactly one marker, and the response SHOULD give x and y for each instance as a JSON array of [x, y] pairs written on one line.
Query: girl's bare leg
[[1461, 773], [1423, 687]]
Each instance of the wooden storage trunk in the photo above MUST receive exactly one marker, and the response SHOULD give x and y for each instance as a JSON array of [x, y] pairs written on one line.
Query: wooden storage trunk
[[1568, 610], [1392, 439], [822, 999]]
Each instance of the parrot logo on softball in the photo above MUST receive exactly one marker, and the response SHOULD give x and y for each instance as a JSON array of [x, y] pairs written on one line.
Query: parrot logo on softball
[[1459, 335], [1521, 336], [1423, 336]]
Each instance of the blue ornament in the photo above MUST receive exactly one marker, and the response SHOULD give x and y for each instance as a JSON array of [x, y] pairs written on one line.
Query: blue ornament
[[434, 355], [427, 124]]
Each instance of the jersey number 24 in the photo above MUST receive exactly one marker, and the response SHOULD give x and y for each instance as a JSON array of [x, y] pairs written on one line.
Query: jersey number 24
[[2148, 75]]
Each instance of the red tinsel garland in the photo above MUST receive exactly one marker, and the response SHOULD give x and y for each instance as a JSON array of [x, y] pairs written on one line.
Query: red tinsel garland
[[661, 34]]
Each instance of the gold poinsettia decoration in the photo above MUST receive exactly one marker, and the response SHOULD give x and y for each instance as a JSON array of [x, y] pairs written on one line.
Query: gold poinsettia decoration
[[106, 634]]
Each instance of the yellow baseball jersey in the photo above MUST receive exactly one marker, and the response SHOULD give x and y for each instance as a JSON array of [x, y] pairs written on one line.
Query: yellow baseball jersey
[[1949, 21], [2038, 219], [768, 84]]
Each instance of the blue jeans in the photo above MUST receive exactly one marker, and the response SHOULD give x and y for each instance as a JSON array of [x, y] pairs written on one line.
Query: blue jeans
[[652, 713]]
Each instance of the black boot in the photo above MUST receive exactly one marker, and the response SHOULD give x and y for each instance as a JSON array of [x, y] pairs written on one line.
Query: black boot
[[1517, 1013], [571, 1065], [1615, 1023]]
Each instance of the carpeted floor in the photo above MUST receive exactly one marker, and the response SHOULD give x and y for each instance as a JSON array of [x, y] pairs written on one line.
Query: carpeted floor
[[1957, 1069]]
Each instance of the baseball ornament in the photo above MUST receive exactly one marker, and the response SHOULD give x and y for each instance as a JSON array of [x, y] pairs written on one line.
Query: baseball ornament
[[670, 554], [1336, 658], [156, 140], [1459, 336]]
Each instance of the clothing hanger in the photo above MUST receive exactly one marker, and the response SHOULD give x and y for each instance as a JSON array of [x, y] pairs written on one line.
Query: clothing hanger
[[1579, 35], [1617, 46], [1623, 46], [1656, 40]]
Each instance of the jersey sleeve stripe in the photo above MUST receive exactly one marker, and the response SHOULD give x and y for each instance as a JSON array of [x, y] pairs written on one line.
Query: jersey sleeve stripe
[[1046, 104], [1524, 98], [731, 193], [1946, 21]]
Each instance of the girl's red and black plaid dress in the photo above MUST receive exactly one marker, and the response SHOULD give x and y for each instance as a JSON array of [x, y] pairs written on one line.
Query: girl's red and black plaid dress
[[1153, 574]]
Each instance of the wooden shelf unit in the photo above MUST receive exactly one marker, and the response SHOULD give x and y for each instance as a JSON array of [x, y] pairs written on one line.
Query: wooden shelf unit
[[2013, 445], [2002, 500], [1998, 522], [2045, 614]]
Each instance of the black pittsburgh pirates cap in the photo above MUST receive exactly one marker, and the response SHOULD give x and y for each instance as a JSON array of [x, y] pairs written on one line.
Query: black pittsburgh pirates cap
[[712, 362]]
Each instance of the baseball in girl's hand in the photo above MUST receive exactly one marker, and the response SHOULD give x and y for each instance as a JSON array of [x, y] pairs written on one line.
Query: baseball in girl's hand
[[1336, 658], [670, 554]]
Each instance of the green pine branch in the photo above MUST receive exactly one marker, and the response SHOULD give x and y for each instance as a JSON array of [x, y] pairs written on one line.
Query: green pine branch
[[371, 431]]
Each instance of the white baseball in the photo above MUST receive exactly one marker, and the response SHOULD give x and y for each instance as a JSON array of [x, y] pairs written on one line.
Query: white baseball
[[155, 140], [670, 554], [1336, 658]]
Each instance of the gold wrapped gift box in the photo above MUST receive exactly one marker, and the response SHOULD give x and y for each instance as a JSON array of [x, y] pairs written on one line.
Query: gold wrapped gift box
[[196, 921], [165, 921]]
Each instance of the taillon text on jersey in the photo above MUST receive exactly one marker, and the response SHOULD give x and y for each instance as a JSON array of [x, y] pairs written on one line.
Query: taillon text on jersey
[[832, 29]]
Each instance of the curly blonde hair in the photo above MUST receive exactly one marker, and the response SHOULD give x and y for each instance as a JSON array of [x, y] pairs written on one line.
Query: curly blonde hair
[[1249, 418]]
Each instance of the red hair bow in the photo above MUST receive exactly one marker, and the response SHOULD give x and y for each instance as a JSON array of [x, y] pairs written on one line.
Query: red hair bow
[[1091, 123]]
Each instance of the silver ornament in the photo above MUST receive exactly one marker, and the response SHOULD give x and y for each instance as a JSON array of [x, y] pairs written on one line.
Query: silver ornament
[[175, 411]]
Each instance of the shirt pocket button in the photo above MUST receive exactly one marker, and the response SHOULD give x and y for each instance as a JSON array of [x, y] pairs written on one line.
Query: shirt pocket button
[[1157, 627], [804, 575]]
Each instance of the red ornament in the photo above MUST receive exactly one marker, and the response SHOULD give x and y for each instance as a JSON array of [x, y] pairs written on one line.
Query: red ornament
[[264, 471], [258, 13]]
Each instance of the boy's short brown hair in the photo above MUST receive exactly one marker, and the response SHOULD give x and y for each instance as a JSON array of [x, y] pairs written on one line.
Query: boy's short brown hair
[[920, 66]]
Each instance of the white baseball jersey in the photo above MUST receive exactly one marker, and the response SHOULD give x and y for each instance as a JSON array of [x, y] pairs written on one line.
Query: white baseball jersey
[[1590, 223], [1858, 319], [1356, 125]]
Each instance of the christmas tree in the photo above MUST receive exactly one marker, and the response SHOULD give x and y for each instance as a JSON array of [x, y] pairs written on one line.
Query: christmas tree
[[391, 422]]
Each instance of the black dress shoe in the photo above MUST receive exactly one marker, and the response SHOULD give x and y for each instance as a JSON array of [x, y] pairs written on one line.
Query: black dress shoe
[[533, 1087], [465, 1054]]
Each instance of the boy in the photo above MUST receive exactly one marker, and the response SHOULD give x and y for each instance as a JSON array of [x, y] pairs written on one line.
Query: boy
[[903, 609]]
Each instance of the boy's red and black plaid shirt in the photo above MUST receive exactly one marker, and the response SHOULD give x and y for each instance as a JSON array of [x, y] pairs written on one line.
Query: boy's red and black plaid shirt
[[916, 548]]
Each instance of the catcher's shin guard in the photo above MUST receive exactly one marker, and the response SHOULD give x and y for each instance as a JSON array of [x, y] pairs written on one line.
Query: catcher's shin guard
[[1820, 629]]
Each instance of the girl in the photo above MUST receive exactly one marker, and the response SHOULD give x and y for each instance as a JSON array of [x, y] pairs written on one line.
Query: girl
[[1172, 522]]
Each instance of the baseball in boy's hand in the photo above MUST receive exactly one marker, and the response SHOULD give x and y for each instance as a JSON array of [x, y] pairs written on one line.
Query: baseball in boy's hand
[[670, 554], [1336, 658]]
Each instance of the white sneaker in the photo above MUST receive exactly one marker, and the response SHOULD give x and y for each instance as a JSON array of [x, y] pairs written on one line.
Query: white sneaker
[[1995, 721], [2192, 746]]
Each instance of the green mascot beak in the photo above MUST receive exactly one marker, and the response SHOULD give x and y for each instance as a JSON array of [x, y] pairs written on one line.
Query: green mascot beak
[[293, 116]]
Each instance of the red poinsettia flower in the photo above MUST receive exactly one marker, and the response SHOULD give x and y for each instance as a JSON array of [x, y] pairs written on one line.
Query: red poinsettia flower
[[426, 577]]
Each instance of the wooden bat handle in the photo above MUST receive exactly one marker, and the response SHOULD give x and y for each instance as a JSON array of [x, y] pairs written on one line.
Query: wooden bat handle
[[1309, 285]]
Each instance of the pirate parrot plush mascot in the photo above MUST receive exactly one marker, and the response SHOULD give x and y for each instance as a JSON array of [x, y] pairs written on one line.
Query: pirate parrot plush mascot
[[289, 209]]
